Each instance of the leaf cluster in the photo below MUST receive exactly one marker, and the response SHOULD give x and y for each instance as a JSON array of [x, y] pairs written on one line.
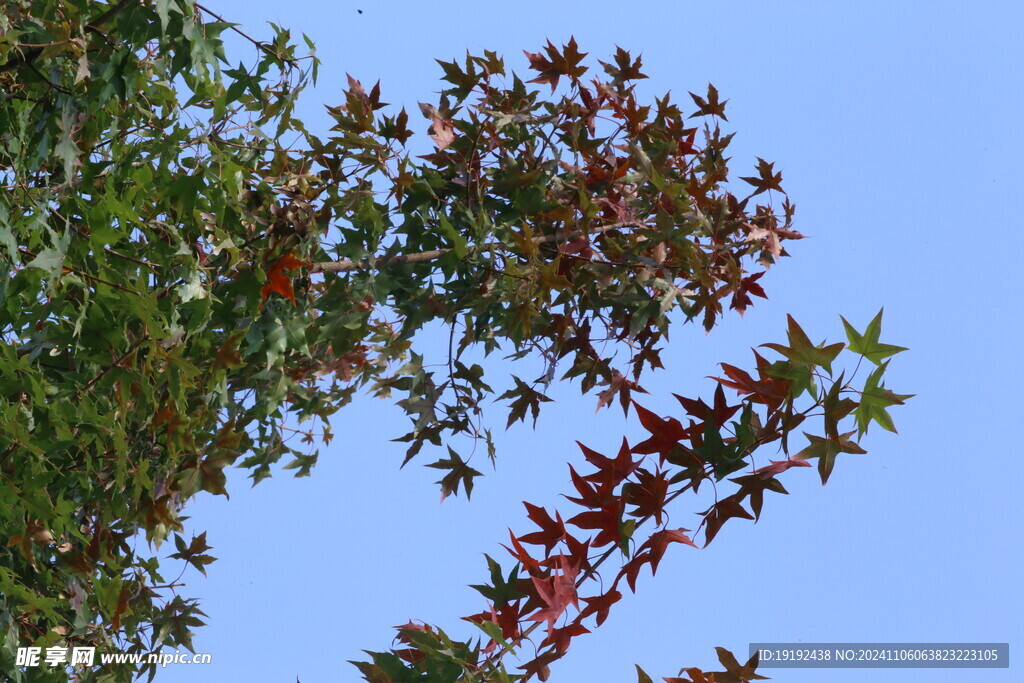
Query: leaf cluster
[[625, 502]]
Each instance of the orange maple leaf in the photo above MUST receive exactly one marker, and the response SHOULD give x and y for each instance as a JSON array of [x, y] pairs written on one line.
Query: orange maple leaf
[[277, 281]]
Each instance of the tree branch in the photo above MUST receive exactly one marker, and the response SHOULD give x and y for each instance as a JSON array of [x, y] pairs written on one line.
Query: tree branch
[[346, 266], [30, 55]]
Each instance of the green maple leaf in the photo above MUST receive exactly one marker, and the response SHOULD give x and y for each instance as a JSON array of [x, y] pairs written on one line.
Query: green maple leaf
[[501, 591], [873, 403], [826, 450], [458, 473], [867, 344]]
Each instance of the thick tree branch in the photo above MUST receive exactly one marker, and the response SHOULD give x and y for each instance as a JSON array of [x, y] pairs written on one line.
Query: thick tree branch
[[346, 266]]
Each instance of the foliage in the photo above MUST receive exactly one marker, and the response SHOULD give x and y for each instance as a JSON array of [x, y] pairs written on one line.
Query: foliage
[[192, 280], [624, 499]]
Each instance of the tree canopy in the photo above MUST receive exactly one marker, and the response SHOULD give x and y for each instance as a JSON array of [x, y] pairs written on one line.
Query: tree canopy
[[192, 280]]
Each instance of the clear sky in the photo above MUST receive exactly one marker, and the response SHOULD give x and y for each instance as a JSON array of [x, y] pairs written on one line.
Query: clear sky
[[897, 126]]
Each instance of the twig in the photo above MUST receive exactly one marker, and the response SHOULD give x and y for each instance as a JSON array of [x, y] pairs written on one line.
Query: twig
[[30, 55], [347, 266]]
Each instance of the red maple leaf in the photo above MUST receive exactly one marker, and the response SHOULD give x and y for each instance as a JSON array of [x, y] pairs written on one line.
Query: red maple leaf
[[771, 392], [578, 551], [648, 494], [610, 471], [600, 605], [557, 592], [666, 433], [779, 466], [508, 620], [539, 665], [606, 521], [506, 617], [590, 496], [551, 531], [719, 513], [741, 297], [632, 569], [560, 637], [658, 543], [529, 564]]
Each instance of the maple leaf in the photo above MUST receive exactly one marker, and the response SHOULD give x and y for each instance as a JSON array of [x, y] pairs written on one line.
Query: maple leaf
[[501, 591], [618, 384], [874, 400], [600, 605], [658, 544], [666, 433], [557, 64], [228, 355], [631, 570], [767, 178], [772, 244], [648, 494], [771, 392], [754, 486], [578, 551], [606, 521], [804, 353], [625, 67], [345, 366], [734, 671], [193, 552], [459, 472], [442, 132], [685, 146], [557, 592], [277, 281], [590, 496], [748, 285], [560, 637], [525, 398], [719, 513], [508, 620], [721, 412], [826, 450], [483, 617], [711, 106], [695, 676], [529, 564], [551, 531], [610, 471], [867, 344], [836, 408], [778, 467], [539, 665]]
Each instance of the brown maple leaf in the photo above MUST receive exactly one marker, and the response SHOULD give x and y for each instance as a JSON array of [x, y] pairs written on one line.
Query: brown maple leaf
[[767, 178], [442, 132], [711, 106], [557, 64]]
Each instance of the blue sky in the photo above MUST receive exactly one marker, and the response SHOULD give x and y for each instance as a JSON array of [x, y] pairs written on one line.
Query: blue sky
[[897, 128]]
